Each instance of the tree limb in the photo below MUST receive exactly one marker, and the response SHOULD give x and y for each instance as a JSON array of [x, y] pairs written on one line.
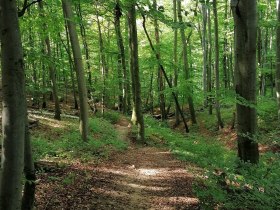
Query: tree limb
[[25, 6]]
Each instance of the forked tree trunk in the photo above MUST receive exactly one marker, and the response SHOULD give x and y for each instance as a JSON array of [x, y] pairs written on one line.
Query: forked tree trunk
[[245, 19], [67, 10], [137, 117], [14, 107]]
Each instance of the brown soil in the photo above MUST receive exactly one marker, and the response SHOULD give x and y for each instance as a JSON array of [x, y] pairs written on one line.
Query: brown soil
[[142, 177]]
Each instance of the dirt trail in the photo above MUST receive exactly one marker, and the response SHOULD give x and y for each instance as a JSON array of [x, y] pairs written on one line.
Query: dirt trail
[[139, 178]]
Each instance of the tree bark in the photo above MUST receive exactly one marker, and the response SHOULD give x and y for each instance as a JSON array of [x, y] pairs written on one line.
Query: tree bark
[[277, 75], [28, 197], [185, 61], [86, 48], [209, 65], [245, 19], [164, 74], [217, 71], [67, 10], [160, 76], [134, 68], [51, 68], [175, 59], [14, 107], [123, 76]]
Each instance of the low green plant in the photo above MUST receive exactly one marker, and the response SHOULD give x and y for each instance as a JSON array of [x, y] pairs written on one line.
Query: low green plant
[[103, 139], [244, 185], [111, 116]]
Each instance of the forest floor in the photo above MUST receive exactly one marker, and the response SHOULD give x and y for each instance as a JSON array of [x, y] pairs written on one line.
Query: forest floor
[[141, 177]]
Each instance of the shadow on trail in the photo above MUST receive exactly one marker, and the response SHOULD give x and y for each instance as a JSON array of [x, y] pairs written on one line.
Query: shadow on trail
[[139, 178]]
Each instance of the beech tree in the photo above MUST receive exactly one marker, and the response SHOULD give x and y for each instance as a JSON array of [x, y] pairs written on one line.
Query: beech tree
[[14, 107], [277, 75], [245, 19], [67, 10], [137, 116]]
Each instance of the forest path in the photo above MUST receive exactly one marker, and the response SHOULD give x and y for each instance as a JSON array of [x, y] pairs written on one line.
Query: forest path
[[142, 177], [147, 177]]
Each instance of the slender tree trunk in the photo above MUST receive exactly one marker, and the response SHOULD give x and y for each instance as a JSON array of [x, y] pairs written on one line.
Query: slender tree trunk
[[175, 58], [160, 76], [134, 68], [86, 48], [14, 107], [277, 75], [185, 61], [103, 61], [28, 197], [123, 76], [205, 52], [225, 53], [71, 66], [245, 19], [67, 10], [164, 73], [217, 72], [209, 69], [51, 69]]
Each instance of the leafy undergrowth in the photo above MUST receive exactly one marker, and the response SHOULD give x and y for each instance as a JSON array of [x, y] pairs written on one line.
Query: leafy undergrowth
[[225, 182], [62, 139]]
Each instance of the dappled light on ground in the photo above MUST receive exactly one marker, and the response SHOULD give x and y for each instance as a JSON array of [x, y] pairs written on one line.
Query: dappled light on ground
[[139, 178]]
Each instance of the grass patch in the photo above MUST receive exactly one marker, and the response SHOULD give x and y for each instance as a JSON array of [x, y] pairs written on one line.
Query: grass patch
[[192, 147], [103, 139], [109, 115]]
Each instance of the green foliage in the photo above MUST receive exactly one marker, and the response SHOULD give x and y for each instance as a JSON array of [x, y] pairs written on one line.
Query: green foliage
[[194, 147], [249, 186], [111, 116], [224, 183]]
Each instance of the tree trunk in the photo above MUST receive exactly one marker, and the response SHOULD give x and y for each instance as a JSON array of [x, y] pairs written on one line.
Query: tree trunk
[[277, 75], [134, 68], [67, 10], [28, 197], [209, 68], [86, 48], [217, 72], [71, 66], [185, 61], [14, 107], [103, 61], [51, 69], [175, 58], [164, 73], [205, 51], [123, 78], [245, 19], [160, 76]]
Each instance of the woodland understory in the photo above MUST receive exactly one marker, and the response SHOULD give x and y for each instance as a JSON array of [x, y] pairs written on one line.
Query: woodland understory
[[149, 104]]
